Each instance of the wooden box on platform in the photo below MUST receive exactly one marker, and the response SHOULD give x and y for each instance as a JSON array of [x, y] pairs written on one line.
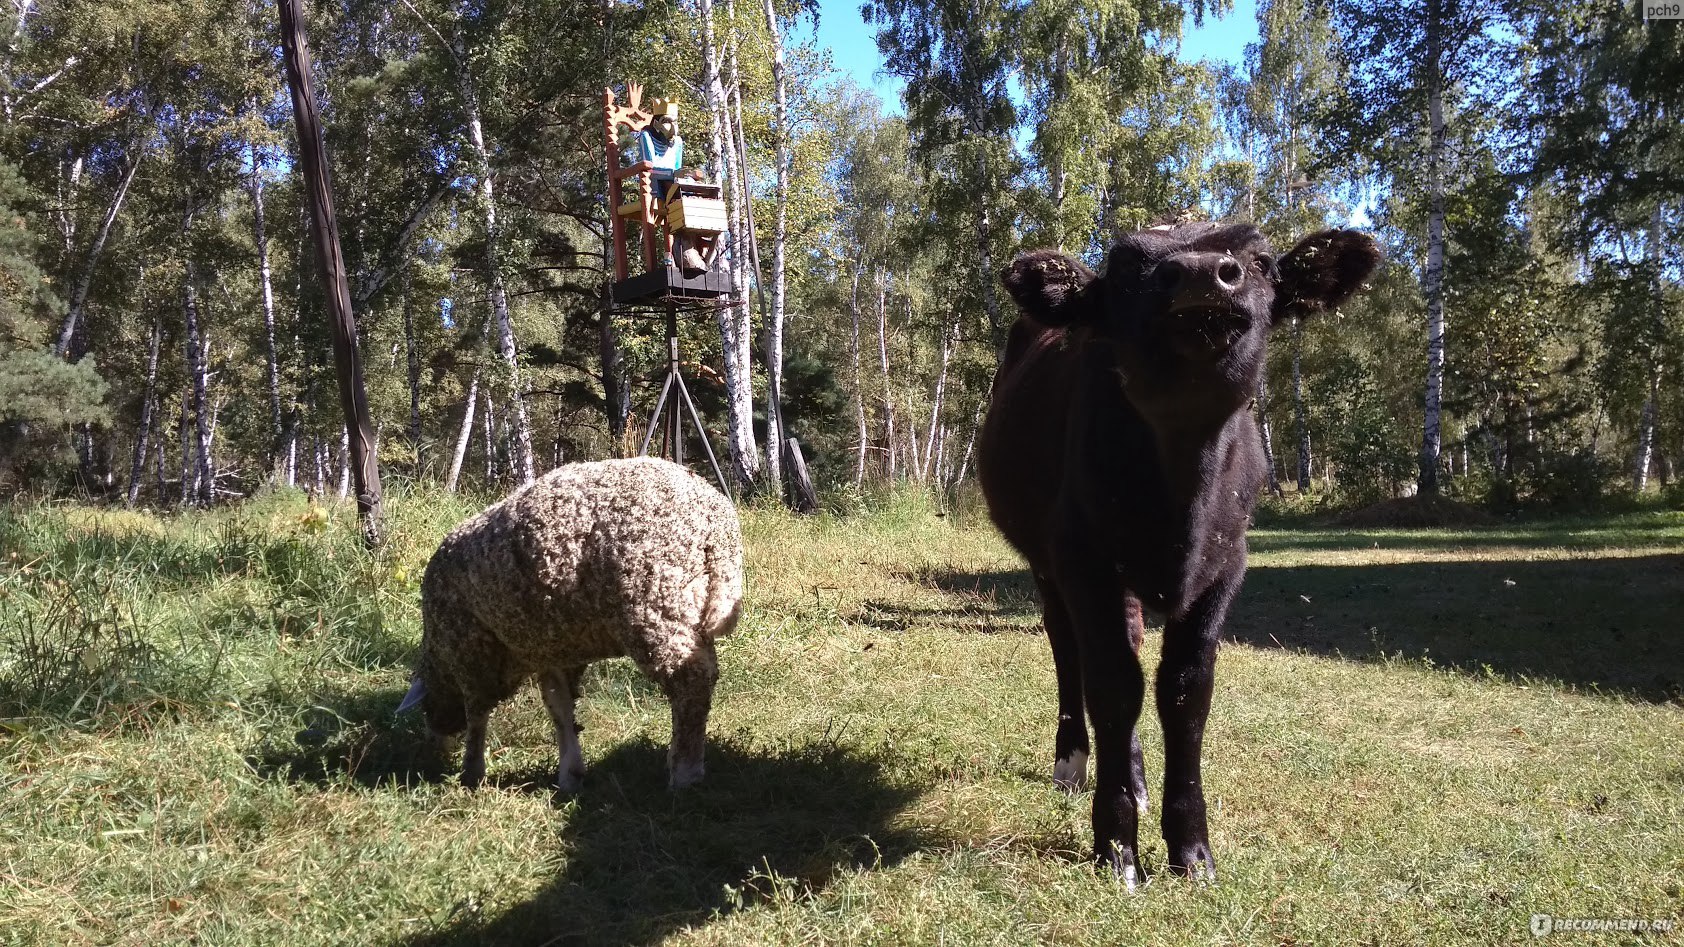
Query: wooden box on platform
[[696, 215], [669, 282]]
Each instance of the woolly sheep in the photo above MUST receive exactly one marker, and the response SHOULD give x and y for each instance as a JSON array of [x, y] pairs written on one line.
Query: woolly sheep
[[637, 558]]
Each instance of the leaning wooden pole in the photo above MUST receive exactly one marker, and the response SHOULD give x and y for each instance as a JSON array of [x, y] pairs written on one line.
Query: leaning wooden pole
[[318, 187]]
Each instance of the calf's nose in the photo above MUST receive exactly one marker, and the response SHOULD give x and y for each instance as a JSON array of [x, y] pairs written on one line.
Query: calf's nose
[[1200, 278]]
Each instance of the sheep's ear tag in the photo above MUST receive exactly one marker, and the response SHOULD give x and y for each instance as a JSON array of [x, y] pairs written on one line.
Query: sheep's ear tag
[[417, 690]]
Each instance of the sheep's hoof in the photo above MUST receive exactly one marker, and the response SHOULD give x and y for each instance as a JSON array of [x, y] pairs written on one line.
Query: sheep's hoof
[[569, 782], [683, 777]]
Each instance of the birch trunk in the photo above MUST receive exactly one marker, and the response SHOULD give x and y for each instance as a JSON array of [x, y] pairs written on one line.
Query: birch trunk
[[197, 375], [775, 331], [267, 293], [85, 274], [488, 425], [496, 291], [148, 399], [1265, 430], [463, 434], [184, 435], [985, 255], [862, 434], [1300, 411], [1651, 404], [936, 401], [883, 360], [970, 443], [1433, 283], [733, 318], [344, 462]]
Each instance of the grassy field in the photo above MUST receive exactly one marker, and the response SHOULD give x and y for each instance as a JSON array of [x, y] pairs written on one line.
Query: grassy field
[[1420, 737]]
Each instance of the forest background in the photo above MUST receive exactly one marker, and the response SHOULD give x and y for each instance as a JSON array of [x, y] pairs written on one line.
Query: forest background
[[164, 337]]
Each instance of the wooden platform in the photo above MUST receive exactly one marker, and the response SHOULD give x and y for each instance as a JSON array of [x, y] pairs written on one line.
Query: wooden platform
[[669, 282]]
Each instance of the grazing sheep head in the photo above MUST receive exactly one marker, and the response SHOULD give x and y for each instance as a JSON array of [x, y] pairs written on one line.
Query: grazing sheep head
[[441, 704]]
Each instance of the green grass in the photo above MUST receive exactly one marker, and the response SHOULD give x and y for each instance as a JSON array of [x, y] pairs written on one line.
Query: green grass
[[1420, 737]]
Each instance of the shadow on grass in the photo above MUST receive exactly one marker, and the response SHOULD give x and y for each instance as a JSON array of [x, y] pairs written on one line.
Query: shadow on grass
[[637, 861], [983, 602], [1602, 624], [642, 862], [356, 737], [1609, 625], [1578, 535]]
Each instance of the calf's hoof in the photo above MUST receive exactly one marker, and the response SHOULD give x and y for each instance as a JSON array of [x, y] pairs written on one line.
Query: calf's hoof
[[1193, 860], [1120, 861], [1070, 773]]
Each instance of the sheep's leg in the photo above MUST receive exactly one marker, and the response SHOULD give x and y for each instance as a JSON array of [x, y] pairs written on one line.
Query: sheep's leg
[[690, 689], [473, 748], [560, 690]]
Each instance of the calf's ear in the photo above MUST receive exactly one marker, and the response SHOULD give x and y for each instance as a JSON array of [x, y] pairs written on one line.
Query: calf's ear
[[1047, 286], [1322, 271]]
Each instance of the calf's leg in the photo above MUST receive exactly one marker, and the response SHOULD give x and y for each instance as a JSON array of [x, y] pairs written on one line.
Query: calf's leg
[[1070, 744], [1114, 689], [560, 690], [1186, 677]]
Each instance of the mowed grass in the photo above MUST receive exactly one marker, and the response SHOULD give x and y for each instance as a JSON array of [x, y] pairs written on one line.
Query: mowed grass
[[1419, 737]]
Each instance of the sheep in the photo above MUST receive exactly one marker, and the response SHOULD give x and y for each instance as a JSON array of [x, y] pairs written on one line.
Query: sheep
[[637, 558]]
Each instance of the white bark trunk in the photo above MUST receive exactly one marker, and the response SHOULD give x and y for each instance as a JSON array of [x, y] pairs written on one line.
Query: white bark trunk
[[496, 292], [862, 433], [1264, 429], [267, 292], [463, 434], [198, 378], [936, 402], [1651, 405], [883, 359], [775, 331], [1300, 412], [1433, 283], [734, 322], [90, 262], [148, 401], [344, 462]]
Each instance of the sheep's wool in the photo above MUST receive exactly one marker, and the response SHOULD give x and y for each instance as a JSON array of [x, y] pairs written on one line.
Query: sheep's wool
[[635, 557]]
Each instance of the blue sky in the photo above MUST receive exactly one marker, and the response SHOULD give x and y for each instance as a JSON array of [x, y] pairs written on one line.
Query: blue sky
[[853, 46]]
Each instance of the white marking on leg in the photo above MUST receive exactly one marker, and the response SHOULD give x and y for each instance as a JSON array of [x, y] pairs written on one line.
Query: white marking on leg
[[685, 775], [1071, 772], [558, 698]]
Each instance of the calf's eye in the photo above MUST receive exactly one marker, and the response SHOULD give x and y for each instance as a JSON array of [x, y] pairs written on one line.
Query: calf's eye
[[1264, 262]]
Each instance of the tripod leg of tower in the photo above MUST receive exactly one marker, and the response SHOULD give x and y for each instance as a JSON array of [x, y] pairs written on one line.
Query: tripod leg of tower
[[655, 416], [696, 418]]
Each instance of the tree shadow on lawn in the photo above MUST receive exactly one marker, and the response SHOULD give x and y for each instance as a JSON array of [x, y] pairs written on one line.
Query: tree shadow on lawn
[[1609, 625], [1604, 624], [1578, 535], [637, 861]]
